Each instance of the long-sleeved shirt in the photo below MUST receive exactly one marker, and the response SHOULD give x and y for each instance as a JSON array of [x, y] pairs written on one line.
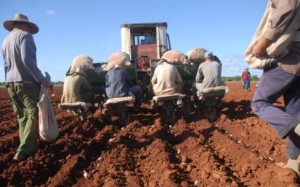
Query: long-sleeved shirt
[[279, 24], [19, 52], [246, 76], [209, 74], [76, 87], [117, 83], [165, 78], [280, 15]]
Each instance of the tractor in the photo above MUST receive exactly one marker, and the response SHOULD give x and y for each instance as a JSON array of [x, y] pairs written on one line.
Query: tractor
[[142, 53]]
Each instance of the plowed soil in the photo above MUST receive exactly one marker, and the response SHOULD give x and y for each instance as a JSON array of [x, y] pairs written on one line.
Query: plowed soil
[[237, 150]]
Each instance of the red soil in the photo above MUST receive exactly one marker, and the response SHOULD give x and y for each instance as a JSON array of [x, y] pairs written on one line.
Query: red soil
[[238, 150]]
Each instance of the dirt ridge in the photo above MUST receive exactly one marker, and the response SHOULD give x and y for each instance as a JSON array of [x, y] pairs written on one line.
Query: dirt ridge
[[237, 150]]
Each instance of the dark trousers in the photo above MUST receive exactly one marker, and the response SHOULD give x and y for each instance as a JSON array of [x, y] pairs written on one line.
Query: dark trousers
[[273, 84]]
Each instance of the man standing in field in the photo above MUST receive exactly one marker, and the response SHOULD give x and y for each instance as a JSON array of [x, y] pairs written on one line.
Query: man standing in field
[[23, 80], [281, 78], [246, 76]]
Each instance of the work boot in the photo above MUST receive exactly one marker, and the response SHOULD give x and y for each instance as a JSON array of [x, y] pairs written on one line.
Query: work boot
[[20, 156], [297, 129]]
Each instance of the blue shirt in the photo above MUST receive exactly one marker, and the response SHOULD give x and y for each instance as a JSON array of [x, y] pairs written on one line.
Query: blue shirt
[[117, 83], [19, 53], [149, 40]]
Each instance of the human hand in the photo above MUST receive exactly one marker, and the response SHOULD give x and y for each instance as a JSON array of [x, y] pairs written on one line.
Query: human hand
[[49, 87], [259, 48]]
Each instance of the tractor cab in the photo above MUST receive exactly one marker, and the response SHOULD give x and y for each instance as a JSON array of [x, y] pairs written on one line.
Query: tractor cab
[[144, 42]]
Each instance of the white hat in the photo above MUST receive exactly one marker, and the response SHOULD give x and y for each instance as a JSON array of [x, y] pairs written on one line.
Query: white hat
[[20, 18]]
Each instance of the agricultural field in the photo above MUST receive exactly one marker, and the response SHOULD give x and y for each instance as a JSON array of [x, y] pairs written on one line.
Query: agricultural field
[[237, 150]]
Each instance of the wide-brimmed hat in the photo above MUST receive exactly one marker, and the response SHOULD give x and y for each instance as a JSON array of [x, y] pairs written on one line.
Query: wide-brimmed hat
[[20, 18], [119, 59]]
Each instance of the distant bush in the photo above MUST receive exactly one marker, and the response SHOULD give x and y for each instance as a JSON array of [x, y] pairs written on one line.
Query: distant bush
[[238, 78]]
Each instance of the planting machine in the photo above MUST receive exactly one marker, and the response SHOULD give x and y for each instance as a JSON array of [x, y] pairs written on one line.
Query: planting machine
[[144, 57]]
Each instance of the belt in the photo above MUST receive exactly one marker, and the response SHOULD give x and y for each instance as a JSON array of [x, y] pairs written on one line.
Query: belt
[[24, 82]]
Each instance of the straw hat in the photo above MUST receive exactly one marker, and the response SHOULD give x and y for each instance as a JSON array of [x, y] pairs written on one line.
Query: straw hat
[[20, 18]]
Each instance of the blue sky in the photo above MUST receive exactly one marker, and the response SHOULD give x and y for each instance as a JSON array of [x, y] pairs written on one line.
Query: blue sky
[[72, 27]]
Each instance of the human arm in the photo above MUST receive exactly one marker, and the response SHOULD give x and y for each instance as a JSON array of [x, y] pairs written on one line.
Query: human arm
[[178, 78], [28, 55], [280, 15], [154, 77], [85, 84], [199, 76], [127, 78]]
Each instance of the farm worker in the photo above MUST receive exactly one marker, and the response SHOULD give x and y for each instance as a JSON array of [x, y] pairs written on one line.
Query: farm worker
[[208, 74], [166, 77], [281, 78], [76, 85], [117, 80], [23, 80], [245, 78], [149, 38]]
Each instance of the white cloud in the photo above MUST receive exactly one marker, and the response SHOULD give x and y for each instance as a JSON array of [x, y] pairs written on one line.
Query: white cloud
[[233, 65], [50, 12]]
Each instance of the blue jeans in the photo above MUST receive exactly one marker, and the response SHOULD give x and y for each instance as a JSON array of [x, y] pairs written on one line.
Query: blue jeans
[[137, 92], [246, 84], [273, 84]]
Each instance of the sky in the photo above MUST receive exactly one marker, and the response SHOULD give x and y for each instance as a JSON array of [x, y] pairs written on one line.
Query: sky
[[72, 27]]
